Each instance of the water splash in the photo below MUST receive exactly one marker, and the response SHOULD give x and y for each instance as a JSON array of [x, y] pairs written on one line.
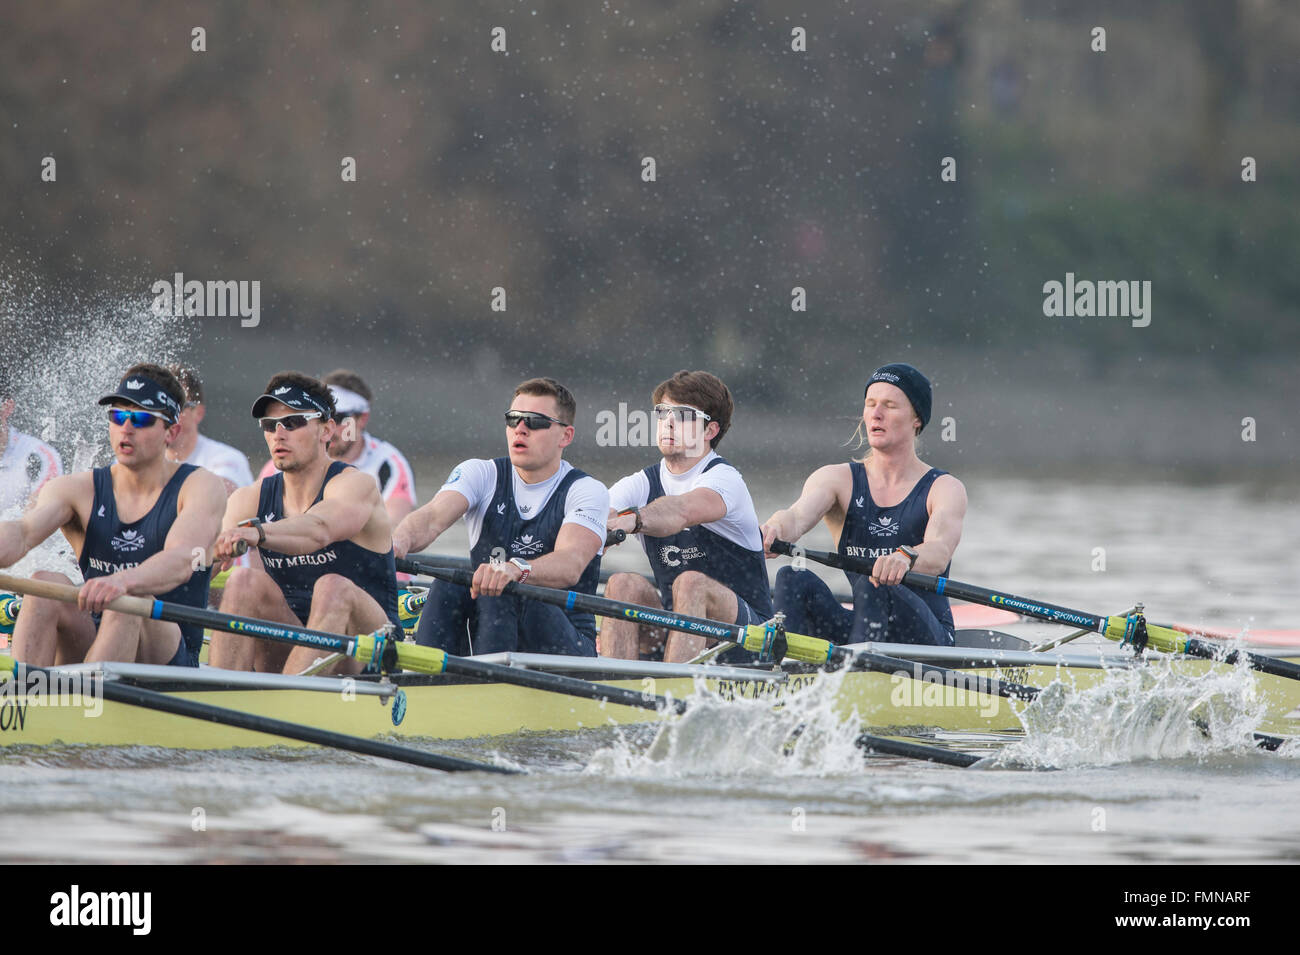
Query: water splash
[[806, 734], [1155, 711], [60, 351]]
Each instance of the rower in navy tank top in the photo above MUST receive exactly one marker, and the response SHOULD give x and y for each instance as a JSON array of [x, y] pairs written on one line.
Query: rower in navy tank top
[[137, 528], [319, 530], [912, 521], [697, 525], [701, 549], [296, 574], [111, 546], [532, 517], [870, 532]]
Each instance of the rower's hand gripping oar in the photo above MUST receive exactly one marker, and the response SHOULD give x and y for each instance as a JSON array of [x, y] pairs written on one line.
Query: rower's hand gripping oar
[[1133, 630]]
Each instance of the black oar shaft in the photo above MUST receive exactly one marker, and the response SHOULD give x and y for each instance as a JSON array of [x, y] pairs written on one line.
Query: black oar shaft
[[178, 706], [587, 603], [933, 754], [952, 588], [1270, 665], [555, 683], [957, 679]]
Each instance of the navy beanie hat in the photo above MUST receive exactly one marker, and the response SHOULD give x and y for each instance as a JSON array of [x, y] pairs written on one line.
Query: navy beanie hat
[[913, 384]]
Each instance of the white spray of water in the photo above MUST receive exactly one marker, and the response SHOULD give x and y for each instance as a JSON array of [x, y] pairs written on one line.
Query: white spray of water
[[805, 735], [1156, 711], [61, 353]]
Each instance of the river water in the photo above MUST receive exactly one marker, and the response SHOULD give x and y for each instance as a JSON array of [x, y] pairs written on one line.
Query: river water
[[719, 788]]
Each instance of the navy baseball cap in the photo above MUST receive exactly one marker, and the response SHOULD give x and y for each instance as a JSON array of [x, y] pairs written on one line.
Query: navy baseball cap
[[293, 396], [143, 392]]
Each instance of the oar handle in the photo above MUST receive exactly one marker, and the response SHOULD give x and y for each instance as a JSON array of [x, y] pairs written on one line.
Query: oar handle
[[68, 594]]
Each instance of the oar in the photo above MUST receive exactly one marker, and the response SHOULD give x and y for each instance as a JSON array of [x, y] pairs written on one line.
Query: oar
[[411, 656], [1132, 630], [375, 647], [753, 637], [165, 703]]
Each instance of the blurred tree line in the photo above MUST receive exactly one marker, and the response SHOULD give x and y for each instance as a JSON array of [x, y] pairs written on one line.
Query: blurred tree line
[[774, 169]]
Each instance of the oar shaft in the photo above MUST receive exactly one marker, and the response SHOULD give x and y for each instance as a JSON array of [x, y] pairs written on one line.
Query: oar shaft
[[952, 588], [178, 706], [198, 616], [588, 603], [957, 679], [409, 656], [933, 754]]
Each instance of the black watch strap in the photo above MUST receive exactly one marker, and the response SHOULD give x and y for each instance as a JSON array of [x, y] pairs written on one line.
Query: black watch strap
[[261, 531]]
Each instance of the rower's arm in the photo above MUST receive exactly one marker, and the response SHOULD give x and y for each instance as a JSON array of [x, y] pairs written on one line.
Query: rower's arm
[[947, 502], [575, 546], [54, 509], [825, 492], [349, 502], [199, 507], [424, 525], [672, 513]]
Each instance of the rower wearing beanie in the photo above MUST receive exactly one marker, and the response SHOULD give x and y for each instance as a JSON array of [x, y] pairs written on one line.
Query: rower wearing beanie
[[890, 507]]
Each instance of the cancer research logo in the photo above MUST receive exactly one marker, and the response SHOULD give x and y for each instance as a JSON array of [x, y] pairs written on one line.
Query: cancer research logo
[[128, 541], [884, 527], [673, 556], [455, 475]]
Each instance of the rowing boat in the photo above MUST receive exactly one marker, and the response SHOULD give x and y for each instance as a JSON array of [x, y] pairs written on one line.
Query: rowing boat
[[419, 706]]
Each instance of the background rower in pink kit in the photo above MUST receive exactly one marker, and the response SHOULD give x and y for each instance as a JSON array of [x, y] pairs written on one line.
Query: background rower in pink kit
[[26, 463]]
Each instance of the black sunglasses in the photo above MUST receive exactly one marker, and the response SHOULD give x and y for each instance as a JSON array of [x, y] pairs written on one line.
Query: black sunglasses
[[535, 420]]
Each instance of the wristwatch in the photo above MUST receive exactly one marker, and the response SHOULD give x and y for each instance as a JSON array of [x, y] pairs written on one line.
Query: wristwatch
[[911, 553], [633, 510], [255, 522], [524, 567]]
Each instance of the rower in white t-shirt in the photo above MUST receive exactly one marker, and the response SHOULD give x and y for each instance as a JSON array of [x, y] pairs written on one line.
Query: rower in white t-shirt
[[697, 524], [229, 464], [531, 517]]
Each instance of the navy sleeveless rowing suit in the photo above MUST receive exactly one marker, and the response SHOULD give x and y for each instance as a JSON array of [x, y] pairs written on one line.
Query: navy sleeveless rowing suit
[[296, 574], [112, 546], [509, 623], [896, 614], [741, 570]]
